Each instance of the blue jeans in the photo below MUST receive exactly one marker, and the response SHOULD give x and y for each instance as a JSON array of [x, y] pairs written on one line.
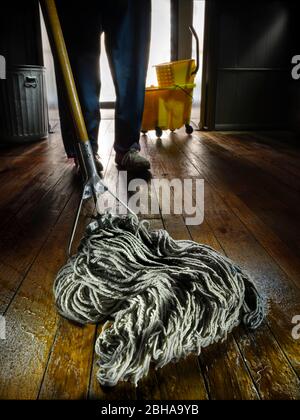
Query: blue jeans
[[126, 24]]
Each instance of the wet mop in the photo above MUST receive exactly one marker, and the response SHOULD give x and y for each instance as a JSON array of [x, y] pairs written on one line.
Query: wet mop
[[161, 299]]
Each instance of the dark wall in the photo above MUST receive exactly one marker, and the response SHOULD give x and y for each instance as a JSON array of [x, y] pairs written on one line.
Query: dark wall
[[253, 47], [20, 32], [181, 38], [294, 112], [294, 85]]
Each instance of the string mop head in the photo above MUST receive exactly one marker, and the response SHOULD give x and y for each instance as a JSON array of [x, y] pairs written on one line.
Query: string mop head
[[161, 299]]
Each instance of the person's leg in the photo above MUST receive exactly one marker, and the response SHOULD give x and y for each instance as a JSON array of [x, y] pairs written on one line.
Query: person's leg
[[127, 31], [87, 78], [66, 123], [81, 27]]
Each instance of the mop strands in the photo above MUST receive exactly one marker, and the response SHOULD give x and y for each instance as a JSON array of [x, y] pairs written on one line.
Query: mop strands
[[161, 298]]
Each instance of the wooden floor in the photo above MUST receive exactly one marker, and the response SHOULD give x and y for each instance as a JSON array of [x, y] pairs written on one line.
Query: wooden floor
[[252, 185]]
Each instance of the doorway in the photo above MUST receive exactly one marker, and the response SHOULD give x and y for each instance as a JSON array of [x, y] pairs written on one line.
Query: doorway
[[198, 23], [160, 51], [170, 19], [167, 19]]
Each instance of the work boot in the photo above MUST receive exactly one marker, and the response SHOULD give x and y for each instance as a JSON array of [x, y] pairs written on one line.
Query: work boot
[[132, 161]]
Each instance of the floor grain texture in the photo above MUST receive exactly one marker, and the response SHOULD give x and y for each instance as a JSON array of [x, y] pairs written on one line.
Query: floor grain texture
[[252, 183]]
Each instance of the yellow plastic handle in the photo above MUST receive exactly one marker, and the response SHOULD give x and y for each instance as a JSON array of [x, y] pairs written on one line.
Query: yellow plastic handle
[[63, 58]]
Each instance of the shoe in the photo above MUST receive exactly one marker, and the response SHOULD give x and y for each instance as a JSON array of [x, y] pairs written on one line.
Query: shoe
[[98, 163], [132, 161]]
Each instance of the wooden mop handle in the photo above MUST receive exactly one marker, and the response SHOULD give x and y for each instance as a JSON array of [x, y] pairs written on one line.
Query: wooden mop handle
[[63, 58]]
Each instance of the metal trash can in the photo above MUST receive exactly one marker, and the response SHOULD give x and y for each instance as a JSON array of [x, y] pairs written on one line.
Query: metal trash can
[[23, 105]]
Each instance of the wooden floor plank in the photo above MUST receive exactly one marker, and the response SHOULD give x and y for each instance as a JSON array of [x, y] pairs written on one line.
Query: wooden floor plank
[[277, 287], [32, 318], [274, 203], [25, 234], [285, 169], [68, 371], [250, 215], [226, 374], [23, 170]]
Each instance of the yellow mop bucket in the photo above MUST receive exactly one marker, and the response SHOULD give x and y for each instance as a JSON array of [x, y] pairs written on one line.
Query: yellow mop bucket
[[176, 73], [169, 105], [168, 108]]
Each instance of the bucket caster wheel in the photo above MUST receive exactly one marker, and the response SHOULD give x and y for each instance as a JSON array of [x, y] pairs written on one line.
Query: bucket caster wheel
[[158, 132], [188, 129]]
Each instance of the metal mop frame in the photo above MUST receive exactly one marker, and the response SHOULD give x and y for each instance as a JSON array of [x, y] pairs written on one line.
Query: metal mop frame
[[93, 186]]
